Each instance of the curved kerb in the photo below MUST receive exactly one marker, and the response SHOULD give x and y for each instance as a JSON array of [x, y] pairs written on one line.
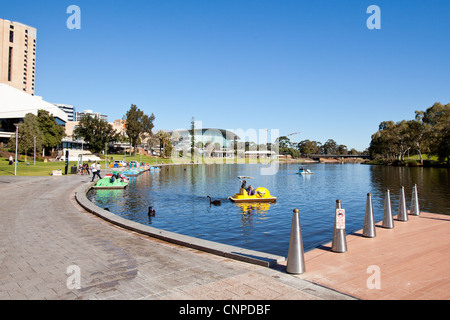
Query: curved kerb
[[241, 254]]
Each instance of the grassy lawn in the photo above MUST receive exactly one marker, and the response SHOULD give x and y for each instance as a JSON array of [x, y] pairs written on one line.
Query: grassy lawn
[[46, 168], [40, 169], [424, 156]]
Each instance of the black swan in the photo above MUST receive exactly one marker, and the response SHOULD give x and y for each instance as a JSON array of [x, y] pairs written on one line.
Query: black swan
[[215, 202], [151, 211]]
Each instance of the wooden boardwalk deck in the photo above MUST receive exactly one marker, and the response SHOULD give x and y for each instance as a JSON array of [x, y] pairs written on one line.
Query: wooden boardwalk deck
[[410, 261]]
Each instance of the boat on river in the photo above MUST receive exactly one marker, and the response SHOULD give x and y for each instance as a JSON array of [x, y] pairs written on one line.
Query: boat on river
[[304, 171], [258, 195], [261, 195], [111, 182], [131, 173]]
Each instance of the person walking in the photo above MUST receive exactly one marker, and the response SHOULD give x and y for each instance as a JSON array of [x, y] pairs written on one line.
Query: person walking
[[94, 171], [99, 166]]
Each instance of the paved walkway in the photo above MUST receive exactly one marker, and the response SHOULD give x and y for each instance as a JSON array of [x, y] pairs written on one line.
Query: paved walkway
[[43, 232], [409, 262]]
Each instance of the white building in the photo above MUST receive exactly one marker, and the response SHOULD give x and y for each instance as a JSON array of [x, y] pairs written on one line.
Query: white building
[[80, 115], [208, 141], [15, 104]]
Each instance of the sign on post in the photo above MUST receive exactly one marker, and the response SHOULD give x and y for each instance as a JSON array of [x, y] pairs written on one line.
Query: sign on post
[[340, 218]]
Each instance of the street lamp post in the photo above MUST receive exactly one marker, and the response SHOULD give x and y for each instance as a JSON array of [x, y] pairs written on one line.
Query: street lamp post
[[34, 157], [15, 159]]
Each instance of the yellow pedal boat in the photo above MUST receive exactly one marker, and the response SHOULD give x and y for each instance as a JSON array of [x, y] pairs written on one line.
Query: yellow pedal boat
[[261, 195]]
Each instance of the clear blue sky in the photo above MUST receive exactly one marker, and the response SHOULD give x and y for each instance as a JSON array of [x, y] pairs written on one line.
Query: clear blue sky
[[296, 66]]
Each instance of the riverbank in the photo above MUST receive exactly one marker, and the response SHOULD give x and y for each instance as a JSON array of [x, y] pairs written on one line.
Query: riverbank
[[409, 163]]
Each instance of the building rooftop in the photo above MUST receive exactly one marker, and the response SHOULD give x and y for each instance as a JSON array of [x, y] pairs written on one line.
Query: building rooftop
[[15, 103]]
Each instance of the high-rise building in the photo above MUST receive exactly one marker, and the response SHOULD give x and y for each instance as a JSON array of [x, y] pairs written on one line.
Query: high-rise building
[[17, 55], [67, 108]]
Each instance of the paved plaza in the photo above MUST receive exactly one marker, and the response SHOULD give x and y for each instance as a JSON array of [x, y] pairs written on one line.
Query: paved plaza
[[46, 239]]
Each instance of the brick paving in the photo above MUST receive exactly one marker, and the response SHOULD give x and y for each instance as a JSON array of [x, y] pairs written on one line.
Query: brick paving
[[409, 262], [43, 232]]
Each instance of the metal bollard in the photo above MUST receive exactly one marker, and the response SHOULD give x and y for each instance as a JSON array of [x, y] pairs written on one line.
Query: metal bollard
[[415, 211], [402, 214], [296, 259], [339, 243], [388, 221], [369, 220]]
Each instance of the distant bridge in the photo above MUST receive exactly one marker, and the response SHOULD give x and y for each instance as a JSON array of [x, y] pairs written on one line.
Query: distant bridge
[[338, 156]]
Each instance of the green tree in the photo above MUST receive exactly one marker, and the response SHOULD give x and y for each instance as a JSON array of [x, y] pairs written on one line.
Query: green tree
[[384, 141], [137, 125], [308, 147], [353, 152], [28, 133], [342, 149], [160, 136], [437, 120], [164, 139], [428, 132], [147, 122], [330, 147], [53, 133], [168, 147], [417, 135], [284, 143], [96, 132]]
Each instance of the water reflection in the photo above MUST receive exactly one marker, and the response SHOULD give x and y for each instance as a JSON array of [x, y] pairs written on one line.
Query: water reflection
[[249, 208], [179, 196]]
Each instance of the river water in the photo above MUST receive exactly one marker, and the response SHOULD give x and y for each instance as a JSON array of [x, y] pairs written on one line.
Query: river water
[[179, 196]]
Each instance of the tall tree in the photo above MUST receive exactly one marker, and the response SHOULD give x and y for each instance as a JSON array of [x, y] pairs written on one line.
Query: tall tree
[[96, 132], [383, 143], [284, 143], [330, 147], [437, 119], [417, 133], [147, 122], [308, 147], [164, 138], [137, 124], [342, 149], [53, 133]]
